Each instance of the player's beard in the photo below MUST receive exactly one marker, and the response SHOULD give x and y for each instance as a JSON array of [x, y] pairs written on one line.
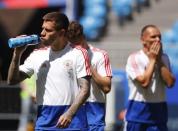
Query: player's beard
[[47, 42]]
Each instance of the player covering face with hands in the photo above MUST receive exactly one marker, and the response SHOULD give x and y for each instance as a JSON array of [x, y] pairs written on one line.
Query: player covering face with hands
[[148, 72], [152, 46]]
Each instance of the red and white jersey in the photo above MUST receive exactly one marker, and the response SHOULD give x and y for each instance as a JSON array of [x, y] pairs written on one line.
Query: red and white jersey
[[57, 73], [146, 105], [136, 66], [99, 60]]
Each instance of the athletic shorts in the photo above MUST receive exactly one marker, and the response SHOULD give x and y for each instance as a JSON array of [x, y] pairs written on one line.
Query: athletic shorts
[[96, 128], [135, 126]]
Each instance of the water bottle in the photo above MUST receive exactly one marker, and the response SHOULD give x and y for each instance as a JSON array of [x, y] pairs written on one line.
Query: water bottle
[[25, 40]]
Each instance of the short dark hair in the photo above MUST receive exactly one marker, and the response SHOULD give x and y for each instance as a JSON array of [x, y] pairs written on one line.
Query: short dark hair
[[61, 20], [146, 27], [75, 31]]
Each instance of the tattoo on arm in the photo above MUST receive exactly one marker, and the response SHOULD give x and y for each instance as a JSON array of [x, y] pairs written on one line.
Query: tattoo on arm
[[84, 91]]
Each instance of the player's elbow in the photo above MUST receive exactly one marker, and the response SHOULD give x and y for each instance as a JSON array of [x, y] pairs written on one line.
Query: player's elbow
[[143, 82], [11, 82], [107, 89], [145, 85], [106, 85], [171, 82]]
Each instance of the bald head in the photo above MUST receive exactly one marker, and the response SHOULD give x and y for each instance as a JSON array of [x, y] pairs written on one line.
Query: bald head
[[145, 28]]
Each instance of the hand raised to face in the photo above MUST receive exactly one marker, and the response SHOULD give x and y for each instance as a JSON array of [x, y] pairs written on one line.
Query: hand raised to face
[[154, 51]]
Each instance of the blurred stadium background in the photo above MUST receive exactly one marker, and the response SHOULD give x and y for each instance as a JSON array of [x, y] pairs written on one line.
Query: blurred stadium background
[[112, 25]]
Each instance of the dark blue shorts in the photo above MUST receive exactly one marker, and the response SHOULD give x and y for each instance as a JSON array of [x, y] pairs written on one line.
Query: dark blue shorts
[[134, 126], [96, 128]]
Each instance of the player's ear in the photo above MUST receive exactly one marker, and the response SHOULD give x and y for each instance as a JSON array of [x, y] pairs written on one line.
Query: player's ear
[[142, 40], [62, 32]]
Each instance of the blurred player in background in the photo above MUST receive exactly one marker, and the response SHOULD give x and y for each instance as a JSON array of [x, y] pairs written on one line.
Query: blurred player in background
[[101, 78], [149, 74]]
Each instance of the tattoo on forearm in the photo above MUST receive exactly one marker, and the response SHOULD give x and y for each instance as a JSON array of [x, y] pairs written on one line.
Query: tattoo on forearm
[[84, 84]]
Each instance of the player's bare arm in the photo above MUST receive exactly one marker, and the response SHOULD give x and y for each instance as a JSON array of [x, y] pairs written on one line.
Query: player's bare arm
[[166, 74], [103, 82], [145, 79], [14, 75], [84, 84]]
